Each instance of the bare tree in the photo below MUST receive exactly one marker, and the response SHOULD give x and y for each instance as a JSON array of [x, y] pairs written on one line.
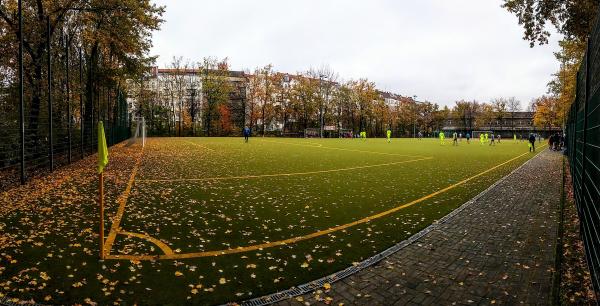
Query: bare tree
[[500, 108], [513, 106]]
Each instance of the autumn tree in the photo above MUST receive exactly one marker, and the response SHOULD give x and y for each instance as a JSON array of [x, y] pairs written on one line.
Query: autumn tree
[[485, 116], [303, 98], [194, 101], [114, 36], [574, 19], [216, 89], [500, 107], [253, 94], [366, 94], [267, 83], [342, 103], [178, 83], [547, 112], [327, 81]]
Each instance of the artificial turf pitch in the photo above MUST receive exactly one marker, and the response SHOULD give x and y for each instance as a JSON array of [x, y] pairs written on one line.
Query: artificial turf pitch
[[213, 220]]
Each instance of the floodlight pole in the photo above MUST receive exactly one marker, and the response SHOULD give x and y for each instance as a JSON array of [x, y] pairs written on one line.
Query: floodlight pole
[[101, 200], [21, 102]]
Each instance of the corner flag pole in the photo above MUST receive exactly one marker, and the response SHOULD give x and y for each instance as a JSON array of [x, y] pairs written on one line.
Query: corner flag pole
[[101, 177], [102, 162]]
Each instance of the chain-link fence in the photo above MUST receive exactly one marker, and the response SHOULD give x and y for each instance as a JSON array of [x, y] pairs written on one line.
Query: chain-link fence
[[583, 141]]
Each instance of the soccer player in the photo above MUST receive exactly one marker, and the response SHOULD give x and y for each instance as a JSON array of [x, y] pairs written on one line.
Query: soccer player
[[486, 137], [468, 137], [482, 138], [246, 134], [492, 142], [531, 142], [420, 135], [455, 139], [442, 138], [499, 137], [389, 135], [515, 137]]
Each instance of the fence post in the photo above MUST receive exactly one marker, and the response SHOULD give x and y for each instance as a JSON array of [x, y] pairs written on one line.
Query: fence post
[[91, 92], [49, 58], [81, 116], [68, 95], [21, 102]]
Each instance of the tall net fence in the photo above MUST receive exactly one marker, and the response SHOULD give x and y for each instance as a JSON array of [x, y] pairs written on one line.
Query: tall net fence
[[583, 141], [60, 125]]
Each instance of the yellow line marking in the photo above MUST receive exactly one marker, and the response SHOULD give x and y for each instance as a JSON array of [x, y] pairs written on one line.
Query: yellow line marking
[[282, 174], [164, 247], [132, 257], [114, 229], [315, 234], [342, 149]]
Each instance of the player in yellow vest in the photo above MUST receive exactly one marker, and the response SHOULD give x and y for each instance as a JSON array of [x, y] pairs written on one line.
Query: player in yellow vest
[[389, 135], [442, 138]]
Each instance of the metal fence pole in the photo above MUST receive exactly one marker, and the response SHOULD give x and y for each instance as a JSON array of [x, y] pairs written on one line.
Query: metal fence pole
[[91, 91], [68, 95], [21, 102], [49, 58], [81, 116]]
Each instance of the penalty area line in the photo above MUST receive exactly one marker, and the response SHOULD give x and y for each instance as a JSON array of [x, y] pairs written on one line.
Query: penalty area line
[[281, 174]]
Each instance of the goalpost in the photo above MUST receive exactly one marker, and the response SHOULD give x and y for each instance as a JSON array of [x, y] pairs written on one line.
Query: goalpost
[[140, 131], [312, 133], [346, 133], [475, 134]]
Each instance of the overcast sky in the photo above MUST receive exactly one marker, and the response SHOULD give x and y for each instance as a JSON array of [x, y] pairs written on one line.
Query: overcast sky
[[438, 50]]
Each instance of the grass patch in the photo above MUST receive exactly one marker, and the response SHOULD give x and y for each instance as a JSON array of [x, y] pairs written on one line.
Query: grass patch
[[208, 194]]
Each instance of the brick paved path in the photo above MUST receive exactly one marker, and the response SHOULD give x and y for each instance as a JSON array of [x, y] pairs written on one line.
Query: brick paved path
[[498, 250]]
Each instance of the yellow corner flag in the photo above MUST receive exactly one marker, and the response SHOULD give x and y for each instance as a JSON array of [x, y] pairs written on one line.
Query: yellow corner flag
[[102, 162], [102, 149]]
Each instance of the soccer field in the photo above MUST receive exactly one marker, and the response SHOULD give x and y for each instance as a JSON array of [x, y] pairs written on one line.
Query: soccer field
[[212, 220]]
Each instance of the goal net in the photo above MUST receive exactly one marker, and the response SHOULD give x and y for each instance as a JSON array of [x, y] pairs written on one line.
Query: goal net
[[346, 133], [139, 136], [312, 133], [476, 134]]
